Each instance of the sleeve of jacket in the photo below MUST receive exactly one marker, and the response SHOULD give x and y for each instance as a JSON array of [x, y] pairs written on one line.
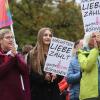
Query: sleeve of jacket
[[22, 65], [72, 77], [23, 68], [26, 86], [6, 66], [87, 63]]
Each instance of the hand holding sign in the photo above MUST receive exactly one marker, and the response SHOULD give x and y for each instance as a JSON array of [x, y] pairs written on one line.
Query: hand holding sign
[[54, 76], [59, 56], [48, 76]]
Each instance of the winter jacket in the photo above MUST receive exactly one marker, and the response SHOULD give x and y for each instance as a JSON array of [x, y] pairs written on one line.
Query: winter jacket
[[89, 67], [73, 78], [41, 89], [14, 79]]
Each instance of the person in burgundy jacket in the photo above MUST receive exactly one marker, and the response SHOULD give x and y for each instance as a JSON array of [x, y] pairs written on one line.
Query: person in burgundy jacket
[[14, 75]]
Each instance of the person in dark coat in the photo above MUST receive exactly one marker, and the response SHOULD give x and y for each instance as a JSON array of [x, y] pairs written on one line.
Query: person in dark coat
[[14, 76], [44, 85]]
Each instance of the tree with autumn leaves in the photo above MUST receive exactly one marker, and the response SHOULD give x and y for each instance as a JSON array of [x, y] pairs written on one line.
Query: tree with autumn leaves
[[31, 15]]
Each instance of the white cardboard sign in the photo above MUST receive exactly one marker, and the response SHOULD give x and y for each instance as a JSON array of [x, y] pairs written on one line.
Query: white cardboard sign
[[91, 15], [59, 56]]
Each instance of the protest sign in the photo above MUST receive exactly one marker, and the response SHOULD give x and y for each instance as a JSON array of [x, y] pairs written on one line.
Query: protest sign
[[59, 56], [91, 15]]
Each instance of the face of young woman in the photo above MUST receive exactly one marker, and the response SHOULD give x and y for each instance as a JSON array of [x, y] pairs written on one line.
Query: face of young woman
[[7, 41], [47, 37]]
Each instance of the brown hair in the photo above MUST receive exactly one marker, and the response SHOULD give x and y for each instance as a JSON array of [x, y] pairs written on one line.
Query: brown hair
[[37, 53]]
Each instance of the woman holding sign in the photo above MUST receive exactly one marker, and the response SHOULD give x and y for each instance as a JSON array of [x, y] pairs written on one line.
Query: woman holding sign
[[44, 86]]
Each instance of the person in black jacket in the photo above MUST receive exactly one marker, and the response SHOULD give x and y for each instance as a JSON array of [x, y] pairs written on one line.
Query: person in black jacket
[[44, 86]]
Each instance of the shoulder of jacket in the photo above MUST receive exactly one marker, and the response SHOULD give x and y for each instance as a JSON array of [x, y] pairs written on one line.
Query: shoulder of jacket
[[83, 51]]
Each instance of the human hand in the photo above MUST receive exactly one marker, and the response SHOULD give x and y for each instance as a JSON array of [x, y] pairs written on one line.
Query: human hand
[[97, 35], [54, 76], [97, 38], [93, 42], [47, 76], [13, 50]]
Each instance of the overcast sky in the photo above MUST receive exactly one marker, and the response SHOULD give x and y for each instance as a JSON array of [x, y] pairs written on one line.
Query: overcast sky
[[78, 1]]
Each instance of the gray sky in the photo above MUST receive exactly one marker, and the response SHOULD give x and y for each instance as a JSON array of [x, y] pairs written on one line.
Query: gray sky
[[78, 1]]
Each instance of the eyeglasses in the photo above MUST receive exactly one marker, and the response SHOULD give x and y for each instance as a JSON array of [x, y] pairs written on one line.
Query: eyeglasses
[[9, 37]]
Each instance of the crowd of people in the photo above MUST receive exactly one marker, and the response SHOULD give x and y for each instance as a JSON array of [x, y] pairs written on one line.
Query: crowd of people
[[22, 76]]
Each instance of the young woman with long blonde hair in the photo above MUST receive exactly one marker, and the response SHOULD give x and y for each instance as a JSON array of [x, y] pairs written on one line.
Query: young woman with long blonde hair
[[42, 87]]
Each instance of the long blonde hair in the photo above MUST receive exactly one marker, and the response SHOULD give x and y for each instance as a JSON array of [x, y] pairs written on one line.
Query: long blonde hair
[[37, 58]]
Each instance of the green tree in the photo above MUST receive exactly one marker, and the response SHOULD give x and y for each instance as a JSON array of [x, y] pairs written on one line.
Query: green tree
[[31, 15]]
